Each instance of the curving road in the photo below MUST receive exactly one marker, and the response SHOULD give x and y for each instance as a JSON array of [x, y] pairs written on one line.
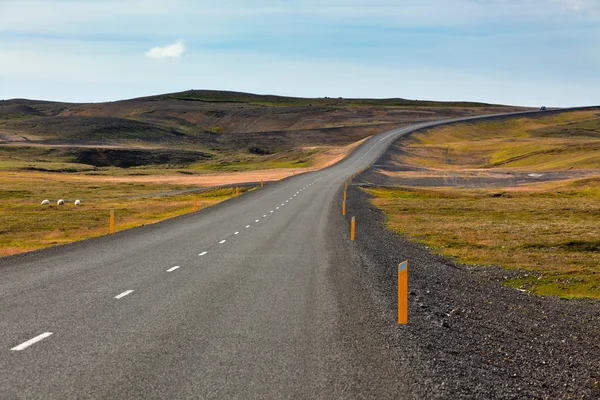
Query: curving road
[[252, 298]]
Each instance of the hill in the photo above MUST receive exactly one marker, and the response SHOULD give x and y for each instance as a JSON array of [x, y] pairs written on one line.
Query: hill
[[225, 129]]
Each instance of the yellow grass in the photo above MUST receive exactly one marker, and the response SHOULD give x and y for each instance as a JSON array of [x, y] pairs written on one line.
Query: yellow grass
[[25, 225], [536, 144], [553, 230]]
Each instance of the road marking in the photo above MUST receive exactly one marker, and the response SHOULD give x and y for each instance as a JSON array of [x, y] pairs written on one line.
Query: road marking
[[256, 220], [203, 253], [222, 241], [28, 343], [236, 233], [277, 208], [119, 296], [265, 216], [271, 211], [247, 226], [173, 269]]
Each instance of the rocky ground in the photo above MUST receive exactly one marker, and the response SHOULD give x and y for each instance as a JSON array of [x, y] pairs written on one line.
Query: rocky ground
[[469, 336]]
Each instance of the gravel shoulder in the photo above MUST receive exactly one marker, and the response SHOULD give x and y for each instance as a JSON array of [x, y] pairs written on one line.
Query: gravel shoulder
[[468, 335]]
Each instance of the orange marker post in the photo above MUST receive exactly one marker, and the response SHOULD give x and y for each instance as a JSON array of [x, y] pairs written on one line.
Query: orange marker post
[[344, 207], [195, 205], [237, 191], [352, 228], [345, 196], [111, 224], [345, 186], [403, 293]]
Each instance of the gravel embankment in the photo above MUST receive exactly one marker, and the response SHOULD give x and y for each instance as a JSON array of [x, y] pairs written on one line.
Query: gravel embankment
[[469, 336]]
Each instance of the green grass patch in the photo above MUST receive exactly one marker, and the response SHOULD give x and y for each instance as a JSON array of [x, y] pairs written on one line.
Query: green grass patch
[[26, 225], [550, 232]]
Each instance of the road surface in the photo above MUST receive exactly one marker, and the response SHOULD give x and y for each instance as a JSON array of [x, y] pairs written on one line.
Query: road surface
[[246, 299]]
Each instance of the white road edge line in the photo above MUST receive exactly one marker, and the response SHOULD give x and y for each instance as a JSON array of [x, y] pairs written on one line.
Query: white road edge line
[[203, 253], [173, 269], [119, 296], [28, 343]]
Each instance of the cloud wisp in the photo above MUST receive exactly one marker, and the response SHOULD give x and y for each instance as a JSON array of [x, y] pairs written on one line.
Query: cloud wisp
[[175, 50]]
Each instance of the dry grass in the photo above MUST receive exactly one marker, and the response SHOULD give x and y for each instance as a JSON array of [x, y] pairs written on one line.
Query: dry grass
[[25, 225], [554, 231], [544, 143]]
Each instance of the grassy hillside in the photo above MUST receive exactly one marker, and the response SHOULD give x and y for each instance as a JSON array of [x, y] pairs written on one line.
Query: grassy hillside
[[549, 228], [544, 143], [200, 130]]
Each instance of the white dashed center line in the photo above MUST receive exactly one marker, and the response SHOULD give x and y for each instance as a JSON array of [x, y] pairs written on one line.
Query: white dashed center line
[[203, 253], [247, 226], [277, 208], [28, 343], [265, 216], [236, 233], [256, 220], [120, 296], [222, 241], [173, 269]]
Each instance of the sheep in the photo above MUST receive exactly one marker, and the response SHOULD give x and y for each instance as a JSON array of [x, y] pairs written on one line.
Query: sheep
[[77, 203], [46, 202], [60, 202]]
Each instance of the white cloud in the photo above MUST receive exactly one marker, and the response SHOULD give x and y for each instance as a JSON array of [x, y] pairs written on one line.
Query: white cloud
[[175, 50]]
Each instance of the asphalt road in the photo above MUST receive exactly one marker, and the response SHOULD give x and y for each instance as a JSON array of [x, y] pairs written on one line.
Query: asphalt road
[[246, 299]]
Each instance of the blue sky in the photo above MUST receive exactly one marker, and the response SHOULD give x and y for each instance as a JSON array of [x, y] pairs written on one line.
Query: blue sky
[[524, 52]]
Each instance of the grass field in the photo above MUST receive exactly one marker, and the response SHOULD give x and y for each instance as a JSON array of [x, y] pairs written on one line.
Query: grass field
[[25, 225], [550, 228], [544, 143], [554, 232]]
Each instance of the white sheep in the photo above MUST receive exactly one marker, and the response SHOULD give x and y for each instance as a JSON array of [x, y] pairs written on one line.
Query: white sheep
[[77, 203], [46, 202], [60, 202]]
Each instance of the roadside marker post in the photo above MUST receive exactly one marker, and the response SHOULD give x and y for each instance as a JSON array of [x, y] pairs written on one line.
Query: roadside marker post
[[111, 224], [262, 184], [237, 191], [344, 207], [352, 228], [345, 196], [403, 293], [345, 186]]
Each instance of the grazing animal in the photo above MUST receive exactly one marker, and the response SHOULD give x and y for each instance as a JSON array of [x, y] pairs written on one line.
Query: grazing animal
[[60, 202], [45, 202], [77, 203]]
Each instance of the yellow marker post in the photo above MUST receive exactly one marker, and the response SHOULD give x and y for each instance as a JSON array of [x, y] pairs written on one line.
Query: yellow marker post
[[237, 191], [345, 197], [345, 186], [262, 184], [195, 205], [352, 228], [111, 224], [403, 293], [344, 207]]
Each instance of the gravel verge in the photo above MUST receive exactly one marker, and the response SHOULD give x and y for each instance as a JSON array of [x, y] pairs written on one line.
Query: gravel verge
[[469, 336]]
